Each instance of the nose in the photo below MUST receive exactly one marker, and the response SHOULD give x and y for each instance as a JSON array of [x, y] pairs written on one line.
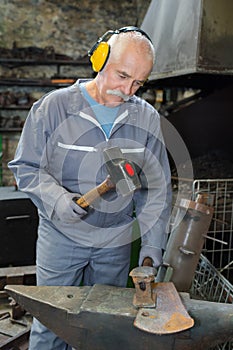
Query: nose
[[127, 87]]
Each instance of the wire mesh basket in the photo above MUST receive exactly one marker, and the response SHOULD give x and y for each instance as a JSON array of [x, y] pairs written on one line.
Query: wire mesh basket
[[219, 247], [213, 277], [209, 284]]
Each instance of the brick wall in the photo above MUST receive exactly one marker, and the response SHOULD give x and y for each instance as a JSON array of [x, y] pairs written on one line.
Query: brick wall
[[70, 28]]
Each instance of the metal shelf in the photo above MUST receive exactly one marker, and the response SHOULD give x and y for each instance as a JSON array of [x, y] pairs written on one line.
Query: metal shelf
[[9, 130], [44, 62], [37, 82], [16, 108]]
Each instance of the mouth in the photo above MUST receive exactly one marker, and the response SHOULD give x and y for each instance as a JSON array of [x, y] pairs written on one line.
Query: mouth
[[118, 93]]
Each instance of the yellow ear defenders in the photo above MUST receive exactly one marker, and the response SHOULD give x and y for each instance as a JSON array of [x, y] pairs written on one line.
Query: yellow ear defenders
[[100, 51]]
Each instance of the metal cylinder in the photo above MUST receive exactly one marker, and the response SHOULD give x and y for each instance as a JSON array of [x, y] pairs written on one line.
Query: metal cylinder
[[186, 241]]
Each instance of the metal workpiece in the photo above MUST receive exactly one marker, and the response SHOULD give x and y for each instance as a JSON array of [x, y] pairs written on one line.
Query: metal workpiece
[[143, 277], [168, 317], [160, 308], [186, 241], [101, 318]]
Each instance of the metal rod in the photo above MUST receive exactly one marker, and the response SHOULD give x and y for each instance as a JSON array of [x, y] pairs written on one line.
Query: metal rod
[[215, 239]]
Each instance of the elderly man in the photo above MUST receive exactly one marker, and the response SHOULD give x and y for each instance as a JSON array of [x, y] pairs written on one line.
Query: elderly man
[[60, 156]]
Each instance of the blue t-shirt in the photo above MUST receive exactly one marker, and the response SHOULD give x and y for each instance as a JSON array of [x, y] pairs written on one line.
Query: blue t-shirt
[[104, 115]]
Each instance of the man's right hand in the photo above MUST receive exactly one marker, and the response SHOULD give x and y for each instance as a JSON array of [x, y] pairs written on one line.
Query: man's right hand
[[67, 210]]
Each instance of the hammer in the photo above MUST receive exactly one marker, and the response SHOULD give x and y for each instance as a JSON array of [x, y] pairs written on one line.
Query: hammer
[[122, 175]]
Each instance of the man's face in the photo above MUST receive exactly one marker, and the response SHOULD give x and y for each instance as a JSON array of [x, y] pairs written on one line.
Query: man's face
[[123, 76]]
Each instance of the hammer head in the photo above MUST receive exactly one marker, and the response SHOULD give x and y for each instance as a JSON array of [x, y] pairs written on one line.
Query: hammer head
[[122, 171]]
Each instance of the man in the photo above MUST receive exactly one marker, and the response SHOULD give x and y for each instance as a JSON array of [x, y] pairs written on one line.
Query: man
[[60, 156]]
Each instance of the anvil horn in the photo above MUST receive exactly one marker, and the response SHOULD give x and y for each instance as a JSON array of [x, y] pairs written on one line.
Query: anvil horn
[[101, 317]]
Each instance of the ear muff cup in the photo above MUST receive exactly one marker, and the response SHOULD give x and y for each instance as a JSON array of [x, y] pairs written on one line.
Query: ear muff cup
[[99, 53], [100, 56]]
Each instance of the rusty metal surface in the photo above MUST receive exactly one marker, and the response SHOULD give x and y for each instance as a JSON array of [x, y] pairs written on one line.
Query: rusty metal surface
[[169, 316], [188, 204], [143, 277], [101, 317], [190, 36]]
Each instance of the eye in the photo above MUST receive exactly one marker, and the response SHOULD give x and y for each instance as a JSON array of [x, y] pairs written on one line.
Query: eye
[[138, 83], [122, 76]]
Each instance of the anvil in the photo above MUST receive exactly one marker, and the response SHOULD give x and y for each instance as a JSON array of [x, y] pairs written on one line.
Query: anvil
[[101, 317]]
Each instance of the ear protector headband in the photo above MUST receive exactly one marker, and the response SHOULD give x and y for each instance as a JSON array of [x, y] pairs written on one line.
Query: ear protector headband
[[100, 51]]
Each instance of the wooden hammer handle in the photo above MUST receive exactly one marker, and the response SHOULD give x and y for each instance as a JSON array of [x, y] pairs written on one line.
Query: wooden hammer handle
[[96, 192]]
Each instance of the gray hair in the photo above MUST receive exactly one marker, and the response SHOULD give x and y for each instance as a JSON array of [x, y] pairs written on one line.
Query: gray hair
[[132, 36]]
